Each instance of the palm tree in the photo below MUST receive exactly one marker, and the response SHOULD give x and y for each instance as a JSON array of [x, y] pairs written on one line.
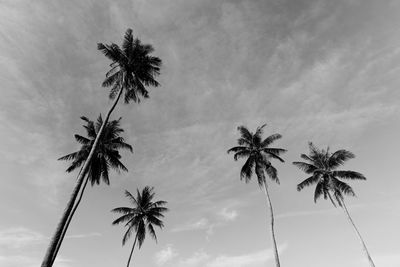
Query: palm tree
[[145, 214], [106, 156], [322, 166], [258, 155], [132, 69]]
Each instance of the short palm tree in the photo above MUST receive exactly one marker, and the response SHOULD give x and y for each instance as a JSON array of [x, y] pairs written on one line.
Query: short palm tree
[[106, 157], [141, 217], [132, 70], [258, 155], [322, 166]]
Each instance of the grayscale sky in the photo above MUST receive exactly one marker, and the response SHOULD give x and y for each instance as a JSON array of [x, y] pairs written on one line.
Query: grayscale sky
[[321, 71]]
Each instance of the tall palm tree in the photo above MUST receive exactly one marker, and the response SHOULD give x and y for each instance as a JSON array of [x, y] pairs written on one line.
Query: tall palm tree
[[322, 166], [106, 156], [132, 69], [145, 214], [258, 155]]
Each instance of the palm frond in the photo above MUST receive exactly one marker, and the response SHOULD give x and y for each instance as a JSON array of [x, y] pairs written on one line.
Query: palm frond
[[270, 139], [306, 167], [306, 157], [150, 228], [82, 140], [259, 132], [112, 79], [123, 210], [71, 156], [237, 149], [352, 175], [319, 190], [141, 233], [245, 133], [260, 173], [241, 154], [339, 158], [307, 182], [160, 204], [124, 218], [243, 141], [247, 169], [276, 151], [272, 173], [271, 154], [127, 44], [132, 198], [127, 235], [343, 188], [110, 51]]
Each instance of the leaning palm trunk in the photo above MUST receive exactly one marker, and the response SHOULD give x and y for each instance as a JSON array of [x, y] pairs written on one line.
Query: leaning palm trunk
[[358, 233], [69, 221], [277, 263], [51, 250], [133, 247]]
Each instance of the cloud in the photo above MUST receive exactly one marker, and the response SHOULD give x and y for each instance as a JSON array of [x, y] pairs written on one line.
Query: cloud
[[197, 259], [202, 223], [251, 259], [18, 261], [217, 219], [316, 212], [165, 255], [228, 215], [387, 259], [19, 237], [84, 235]]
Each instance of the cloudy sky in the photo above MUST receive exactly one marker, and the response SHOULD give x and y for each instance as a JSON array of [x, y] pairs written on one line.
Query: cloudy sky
[[313, 70]]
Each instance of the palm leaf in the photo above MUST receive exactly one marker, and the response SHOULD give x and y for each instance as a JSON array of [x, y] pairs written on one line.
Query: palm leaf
[[339, 158], [270, 139], [352, 175], [306, 167], [307, 182], [247, 169]]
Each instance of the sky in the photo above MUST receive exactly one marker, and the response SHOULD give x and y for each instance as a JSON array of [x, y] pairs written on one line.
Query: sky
[[312, 70]]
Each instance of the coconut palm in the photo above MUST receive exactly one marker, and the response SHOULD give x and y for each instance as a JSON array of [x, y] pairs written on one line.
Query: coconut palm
[[322, 166], [132, 69], [258, 154], [106, 157], [143, 216]]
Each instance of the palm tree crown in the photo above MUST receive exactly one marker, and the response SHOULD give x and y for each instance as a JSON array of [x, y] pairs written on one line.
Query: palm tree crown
[[132, 68], [145, 214], [322, 166], [106, 155], [258, 154]]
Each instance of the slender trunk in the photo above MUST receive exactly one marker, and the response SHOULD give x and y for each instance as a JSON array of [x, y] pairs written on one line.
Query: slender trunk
[[372, 264], [133, 247], [69, 220], [50, 253], [277, 263]]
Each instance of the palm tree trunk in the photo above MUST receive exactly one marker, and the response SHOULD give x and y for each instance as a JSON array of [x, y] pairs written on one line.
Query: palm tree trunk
[[50, 253], [133, 247], [69, 220], [277, 263], [372, 264]]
